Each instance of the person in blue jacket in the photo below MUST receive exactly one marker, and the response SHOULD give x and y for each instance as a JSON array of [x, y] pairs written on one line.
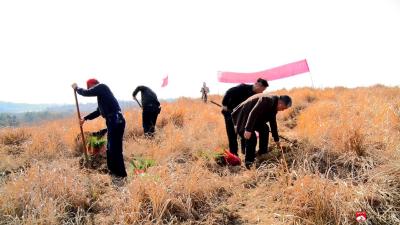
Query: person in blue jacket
[[110, 110]]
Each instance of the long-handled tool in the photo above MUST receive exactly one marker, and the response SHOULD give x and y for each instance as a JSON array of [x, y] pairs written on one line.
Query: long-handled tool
[[215, 103], [287, 140], [80, 125], [137, 102]]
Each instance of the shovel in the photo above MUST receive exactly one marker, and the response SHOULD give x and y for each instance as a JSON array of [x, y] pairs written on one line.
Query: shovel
[[215, 103], [138, 102], [79, 121]]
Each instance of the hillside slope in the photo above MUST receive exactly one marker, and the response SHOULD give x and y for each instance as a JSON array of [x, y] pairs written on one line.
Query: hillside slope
[[344, 158]]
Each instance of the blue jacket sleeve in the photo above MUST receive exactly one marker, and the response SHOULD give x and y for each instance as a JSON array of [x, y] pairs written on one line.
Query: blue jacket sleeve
[[92, 115]]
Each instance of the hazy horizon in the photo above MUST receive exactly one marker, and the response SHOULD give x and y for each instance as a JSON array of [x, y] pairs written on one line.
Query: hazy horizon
[[194, 97]]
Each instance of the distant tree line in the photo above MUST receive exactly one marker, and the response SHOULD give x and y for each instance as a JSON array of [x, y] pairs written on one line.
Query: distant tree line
[[19, 114], [17, 119]]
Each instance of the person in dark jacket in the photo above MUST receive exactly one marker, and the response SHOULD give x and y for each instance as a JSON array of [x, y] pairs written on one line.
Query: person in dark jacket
[[233, 97], [109, 109], [253, 115], [151, 108]]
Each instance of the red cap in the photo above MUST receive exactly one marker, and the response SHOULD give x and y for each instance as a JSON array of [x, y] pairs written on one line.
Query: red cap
[[91, 82]]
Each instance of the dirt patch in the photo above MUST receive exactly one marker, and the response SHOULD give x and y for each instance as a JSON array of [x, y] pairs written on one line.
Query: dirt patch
[[97, 163], [224, 170]]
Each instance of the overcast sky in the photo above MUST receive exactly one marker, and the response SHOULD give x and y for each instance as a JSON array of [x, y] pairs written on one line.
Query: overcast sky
[[47, 45]]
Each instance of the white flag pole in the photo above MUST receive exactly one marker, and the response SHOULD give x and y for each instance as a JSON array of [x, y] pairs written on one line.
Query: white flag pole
[[312, 82]]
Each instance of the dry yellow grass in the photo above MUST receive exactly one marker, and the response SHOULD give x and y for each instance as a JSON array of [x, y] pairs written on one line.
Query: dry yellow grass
[[345, 159]]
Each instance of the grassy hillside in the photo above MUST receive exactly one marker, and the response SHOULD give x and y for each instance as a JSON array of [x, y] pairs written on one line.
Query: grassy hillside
[[344, 158]]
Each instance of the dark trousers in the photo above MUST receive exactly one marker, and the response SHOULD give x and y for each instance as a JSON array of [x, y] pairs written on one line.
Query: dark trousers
[[250, 144], [115, 159], [204, 97], [263, 138], [149, 117], [250, 147], [231, 133]]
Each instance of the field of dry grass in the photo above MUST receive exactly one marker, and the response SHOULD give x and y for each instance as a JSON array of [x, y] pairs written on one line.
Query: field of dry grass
[[345, 158]]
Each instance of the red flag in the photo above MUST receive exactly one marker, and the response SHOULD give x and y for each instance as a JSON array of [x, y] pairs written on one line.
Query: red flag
[[165, 81], [279, 72]]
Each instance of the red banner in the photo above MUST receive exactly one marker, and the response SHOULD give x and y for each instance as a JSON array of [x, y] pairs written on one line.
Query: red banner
[[165, 81], [279, 72]]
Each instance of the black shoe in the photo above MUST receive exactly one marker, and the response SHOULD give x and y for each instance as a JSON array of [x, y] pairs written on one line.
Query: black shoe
[[248, 165]]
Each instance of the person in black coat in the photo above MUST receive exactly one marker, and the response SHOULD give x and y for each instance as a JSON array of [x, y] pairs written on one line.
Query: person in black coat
[[233, 97], [253, 115], [110, 110], [151, 108]]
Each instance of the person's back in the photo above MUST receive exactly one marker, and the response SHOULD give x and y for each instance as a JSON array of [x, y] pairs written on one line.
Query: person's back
[[236, 95], [258, 109], [107, 103], [148, 97]]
